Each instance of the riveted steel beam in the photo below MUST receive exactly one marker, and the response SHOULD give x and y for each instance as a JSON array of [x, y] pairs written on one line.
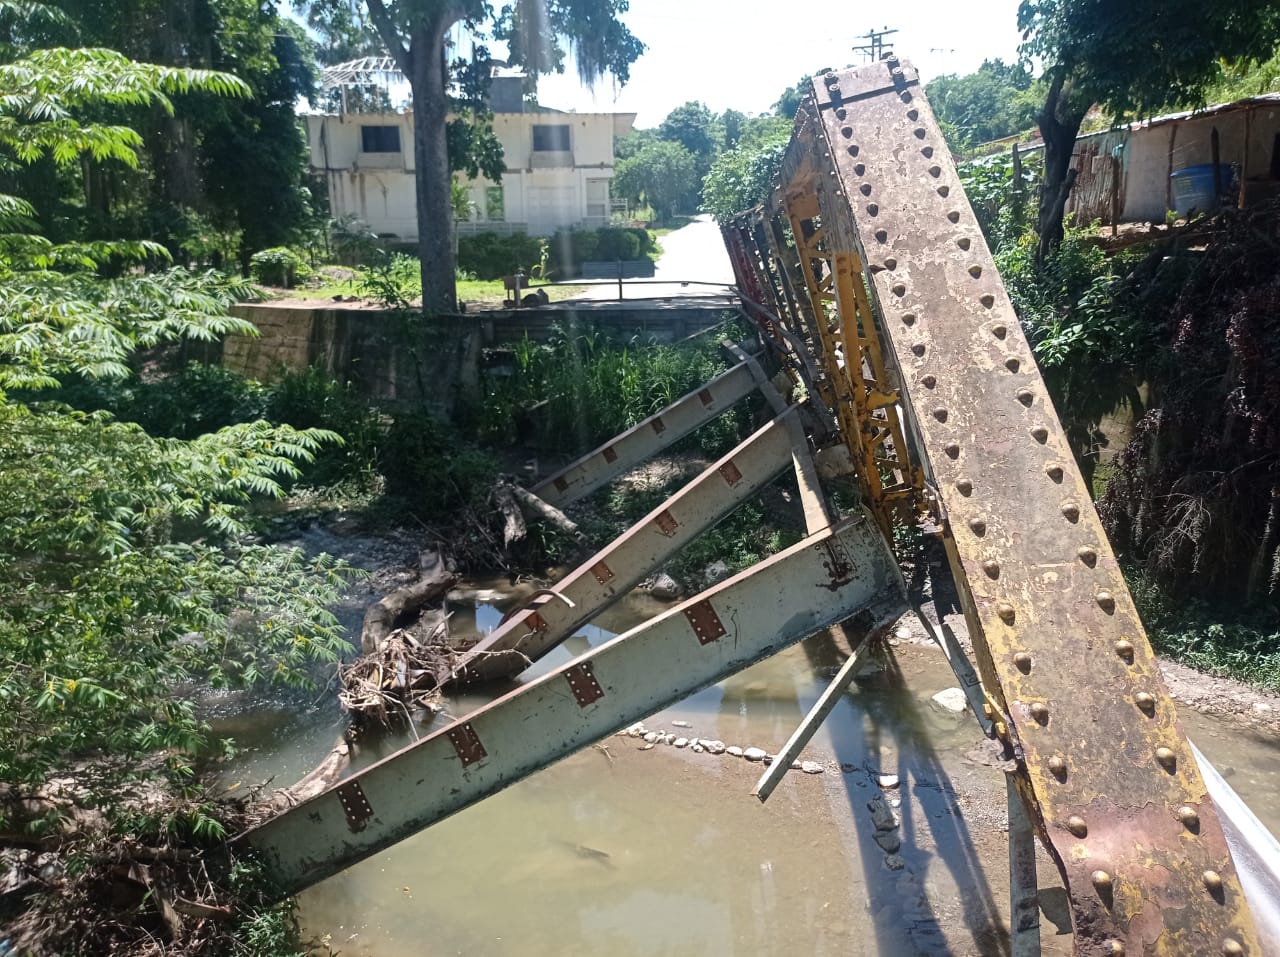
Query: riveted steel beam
[[822, 580], [1104, 769], [612, 572], [661, 430]]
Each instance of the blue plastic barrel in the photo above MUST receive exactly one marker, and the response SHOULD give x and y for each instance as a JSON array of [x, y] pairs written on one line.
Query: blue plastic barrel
[[1193, 187]]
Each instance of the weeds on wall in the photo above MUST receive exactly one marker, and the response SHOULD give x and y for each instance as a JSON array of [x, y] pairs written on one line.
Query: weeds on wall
[[576, 390]]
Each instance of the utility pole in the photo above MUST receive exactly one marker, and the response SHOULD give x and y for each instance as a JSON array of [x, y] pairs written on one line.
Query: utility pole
[[875, 48]]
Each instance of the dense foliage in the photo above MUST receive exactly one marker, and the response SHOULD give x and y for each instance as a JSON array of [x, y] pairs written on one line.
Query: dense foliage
[[995, 101]]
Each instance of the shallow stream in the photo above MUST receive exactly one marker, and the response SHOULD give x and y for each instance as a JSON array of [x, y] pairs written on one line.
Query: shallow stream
[[665, 852]]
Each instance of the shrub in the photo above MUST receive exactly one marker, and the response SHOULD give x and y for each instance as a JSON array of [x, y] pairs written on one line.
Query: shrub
[[278, 266], [491, 256]]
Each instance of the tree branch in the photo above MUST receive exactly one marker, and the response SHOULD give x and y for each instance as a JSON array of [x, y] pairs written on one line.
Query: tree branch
[[386, 28]]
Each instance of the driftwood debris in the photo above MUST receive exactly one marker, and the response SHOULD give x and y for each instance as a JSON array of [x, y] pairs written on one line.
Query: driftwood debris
[[513, 527], [518, 506], [396, 609]]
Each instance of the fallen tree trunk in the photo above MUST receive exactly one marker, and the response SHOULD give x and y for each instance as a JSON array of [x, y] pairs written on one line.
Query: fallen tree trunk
[[538, 510], [388, 613], [513, 527]]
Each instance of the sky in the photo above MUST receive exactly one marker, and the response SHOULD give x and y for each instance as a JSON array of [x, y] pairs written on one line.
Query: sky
[[742, 54]]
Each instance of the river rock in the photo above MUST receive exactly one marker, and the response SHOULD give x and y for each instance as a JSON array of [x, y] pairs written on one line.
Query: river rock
[[734, 750], [889, 841], [681, 724], [697, 747], [894, 862], [755, 754], [811, 767], [883, 818], [715, 747], [665, 587], [669, 739], [635, 731], [951, 700], [715, 573], [887, 780], [681, 742], [651, 737]]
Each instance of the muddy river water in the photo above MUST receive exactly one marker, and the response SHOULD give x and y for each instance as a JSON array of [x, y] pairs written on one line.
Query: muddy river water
[[635, 853]]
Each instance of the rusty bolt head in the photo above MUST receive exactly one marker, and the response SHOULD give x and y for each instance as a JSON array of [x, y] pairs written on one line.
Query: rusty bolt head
[[928, 381], [954, 216], [964, 242], [1124, 648], [881, 236], [940, 414], [964, 486], [899, 289], [1039, 712], [872, 209], [908, 318], [1232, 948], [1040, 434], [935, 171], [1106, 601], [1026, 397], [1146, 703], [1115, 948], [1071, 512], [1212, 882], [906, 96], [1090, 557], [952, 450], [852, 150], [1023, 662], [927, 151], [920, 132], [865, 189], [1167, 759], [1101, 881], [846, 131], [1054, 472], [1058, 767], [891, 263], [1006, 612], [975, 270], [918, 348], [999, 330], [1012, 364], [1189, 818], [978, 526], [944, 190], [860, 168], [992, 568], [1077, 826]]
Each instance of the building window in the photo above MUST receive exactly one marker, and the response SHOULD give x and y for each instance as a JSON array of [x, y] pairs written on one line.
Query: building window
[[494, 210], [380, 139], [551, 138]]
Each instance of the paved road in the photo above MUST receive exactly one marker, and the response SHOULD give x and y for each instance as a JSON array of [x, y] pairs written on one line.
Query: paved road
[[694, 252]]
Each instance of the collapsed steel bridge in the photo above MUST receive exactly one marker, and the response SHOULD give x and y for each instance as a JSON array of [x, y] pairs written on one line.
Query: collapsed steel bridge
[[892, 353]]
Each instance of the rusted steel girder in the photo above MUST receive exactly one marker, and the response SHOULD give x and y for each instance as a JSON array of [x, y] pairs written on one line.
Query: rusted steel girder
[[1104, 769]]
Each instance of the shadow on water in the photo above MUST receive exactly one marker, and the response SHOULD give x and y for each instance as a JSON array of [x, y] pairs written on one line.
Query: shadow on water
[[886, 734]]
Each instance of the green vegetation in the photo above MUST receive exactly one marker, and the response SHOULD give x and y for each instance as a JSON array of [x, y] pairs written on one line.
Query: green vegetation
[[997, 100]]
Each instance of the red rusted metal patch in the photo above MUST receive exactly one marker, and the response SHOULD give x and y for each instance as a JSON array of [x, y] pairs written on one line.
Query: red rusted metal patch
[[609, 454], [583, 684], [466, 744], [535, 622], [730, 473], [560, 484], [706, 396], [666, 523], [706, 623], [602, 572], [354, 804], [658, 425]]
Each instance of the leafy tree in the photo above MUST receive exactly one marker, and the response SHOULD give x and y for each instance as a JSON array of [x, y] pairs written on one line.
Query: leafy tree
[[742, 177], [126, 570], [664, 174], [1132, 58], [789, 102], [692, 125], [537, 34], [995, 101], [730, 122]]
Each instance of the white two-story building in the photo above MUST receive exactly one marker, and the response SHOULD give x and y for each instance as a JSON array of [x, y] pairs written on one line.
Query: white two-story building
[[558, 169]]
